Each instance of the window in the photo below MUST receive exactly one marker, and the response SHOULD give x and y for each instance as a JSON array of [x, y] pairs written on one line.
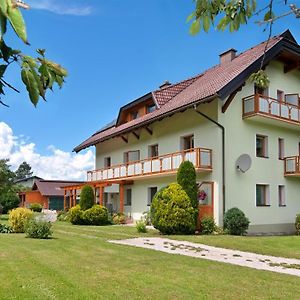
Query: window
[[280, 95], [153, 151], [150, 108], [262, 195], [107, 162], [292, 99], [187, 142], [281, 195], [281, 148], [128, 197], [134, 115], [261, 146], [131, 156], [151, 192]]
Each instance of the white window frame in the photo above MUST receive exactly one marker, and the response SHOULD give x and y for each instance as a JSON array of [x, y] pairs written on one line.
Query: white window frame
[[281, 195]]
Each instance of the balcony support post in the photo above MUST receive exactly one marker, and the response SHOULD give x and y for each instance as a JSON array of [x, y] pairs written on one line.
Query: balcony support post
[[70, 198], [74, 197], [101, 192], [121, 198], [65, 199]]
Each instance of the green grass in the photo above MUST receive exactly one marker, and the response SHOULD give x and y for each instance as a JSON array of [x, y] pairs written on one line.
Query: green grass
[[285, 246], [78, 263]]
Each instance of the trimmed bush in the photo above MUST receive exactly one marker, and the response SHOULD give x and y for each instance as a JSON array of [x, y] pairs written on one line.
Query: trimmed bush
[[76, 215], [87, 197], [186, 177], [235, 222], [119, 219], [96, 215], [172, 211], [5, 229], [38, 229], [18, 217], [141, 226], [208, 225], [37, 207], [297, 224]]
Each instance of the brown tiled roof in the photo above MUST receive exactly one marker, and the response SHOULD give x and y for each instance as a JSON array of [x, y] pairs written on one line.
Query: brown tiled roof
[[218, 81], [52, 187]]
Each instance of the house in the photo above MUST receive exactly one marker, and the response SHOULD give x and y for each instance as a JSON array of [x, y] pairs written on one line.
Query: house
[[49, 193], [244, 141], [28, 181]]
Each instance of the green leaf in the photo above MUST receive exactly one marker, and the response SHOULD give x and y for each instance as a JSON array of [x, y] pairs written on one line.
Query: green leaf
[[3, 7], [206, 23], [31, 85], [195, 27], [16, 20], [3, 22], [2, 70], [190, 17], [59, 80], [41, 52], [269, 15], [5, 50]]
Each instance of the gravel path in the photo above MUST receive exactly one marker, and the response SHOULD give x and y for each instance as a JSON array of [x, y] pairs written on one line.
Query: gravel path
[[235, 257]]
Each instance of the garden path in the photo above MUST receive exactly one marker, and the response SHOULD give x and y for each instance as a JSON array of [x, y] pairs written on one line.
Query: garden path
[[235, 257]]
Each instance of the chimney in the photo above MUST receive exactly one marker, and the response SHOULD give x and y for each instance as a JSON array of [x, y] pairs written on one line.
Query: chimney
[[165, 84], [227, 56]]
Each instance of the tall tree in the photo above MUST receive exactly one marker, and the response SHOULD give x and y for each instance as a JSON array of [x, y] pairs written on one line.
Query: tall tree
[[8, 191], [37, 73], [23, 171]]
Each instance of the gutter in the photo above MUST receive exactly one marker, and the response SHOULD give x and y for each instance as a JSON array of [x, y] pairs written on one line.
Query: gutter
[[223, 151]]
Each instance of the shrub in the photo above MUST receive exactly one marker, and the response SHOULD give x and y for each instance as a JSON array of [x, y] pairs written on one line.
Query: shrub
[[186, 177], [146, 217], [38, 229], [1, 209], [5, 228], [208, 225], [9, 200], [63, 216], [235, 222], [297, 224], [76, 215], [141, 226], [18, 217], [119, 218], [96, 215], [86, 197], [37, 207], [172, 211]]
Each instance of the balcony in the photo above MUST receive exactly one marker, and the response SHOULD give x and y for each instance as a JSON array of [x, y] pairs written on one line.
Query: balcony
[[161, 165], [292, 166], [269, 110]]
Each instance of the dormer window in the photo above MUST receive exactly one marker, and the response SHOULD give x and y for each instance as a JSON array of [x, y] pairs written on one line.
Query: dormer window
[[134, 115], [150, 108]]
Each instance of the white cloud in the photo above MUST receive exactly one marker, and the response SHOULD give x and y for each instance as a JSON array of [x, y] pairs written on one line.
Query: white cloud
[[55, 6], [57, 165]]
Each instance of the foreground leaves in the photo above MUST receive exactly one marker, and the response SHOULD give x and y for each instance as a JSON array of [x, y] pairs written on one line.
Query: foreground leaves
[[38, 74]]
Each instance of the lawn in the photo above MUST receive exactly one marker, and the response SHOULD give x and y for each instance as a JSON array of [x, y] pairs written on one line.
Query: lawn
[[78, 263]]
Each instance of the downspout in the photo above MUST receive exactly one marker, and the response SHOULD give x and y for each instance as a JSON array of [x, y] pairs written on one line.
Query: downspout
[[223, 151]]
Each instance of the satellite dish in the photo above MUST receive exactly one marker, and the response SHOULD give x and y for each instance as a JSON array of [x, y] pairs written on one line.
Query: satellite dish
[[243, 163]]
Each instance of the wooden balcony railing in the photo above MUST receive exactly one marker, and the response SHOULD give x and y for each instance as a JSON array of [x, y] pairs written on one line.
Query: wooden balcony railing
[[292, 166], [262, 105], [169, 163]]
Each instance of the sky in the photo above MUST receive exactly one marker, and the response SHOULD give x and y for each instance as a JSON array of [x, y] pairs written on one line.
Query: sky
[[115, 51]]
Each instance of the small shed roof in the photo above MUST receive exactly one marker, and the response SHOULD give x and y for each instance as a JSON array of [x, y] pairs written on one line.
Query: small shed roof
[[52, 187]]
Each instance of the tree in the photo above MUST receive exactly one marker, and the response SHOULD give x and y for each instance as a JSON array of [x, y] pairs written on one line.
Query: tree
[[23, 171], [37, 73], [234, 13], [8, 191], [87, 197]]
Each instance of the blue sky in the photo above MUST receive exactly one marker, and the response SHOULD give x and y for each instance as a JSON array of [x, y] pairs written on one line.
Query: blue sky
[[115, 51]]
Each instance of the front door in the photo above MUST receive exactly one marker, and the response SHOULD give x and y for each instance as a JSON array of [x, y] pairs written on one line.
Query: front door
[[206, 199]]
